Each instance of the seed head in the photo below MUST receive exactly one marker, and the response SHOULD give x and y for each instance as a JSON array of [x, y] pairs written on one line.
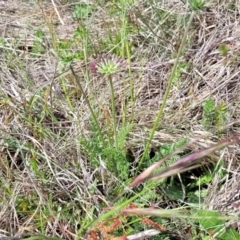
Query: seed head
[[107, 64]]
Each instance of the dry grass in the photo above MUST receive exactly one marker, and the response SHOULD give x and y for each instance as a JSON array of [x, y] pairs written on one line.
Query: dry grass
[[46, 181]]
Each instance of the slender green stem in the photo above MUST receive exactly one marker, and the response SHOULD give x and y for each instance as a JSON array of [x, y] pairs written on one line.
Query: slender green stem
[[113, 111], [156, 122], [88, 104]]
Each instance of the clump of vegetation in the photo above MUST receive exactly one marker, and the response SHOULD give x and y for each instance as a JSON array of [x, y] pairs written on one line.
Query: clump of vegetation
[[214, 116], [119, 120]]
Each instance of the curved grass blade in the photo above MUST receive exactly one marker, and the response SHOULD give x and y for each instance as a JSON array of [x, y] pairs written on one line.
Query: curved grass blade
[[185, 163]]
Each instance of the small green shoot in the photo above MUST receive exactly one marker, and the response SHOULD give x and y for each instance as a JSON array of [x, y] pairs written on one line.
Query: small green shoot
[[38, 47], [223, 49], [197, 5], [81, 11], [214, 115]]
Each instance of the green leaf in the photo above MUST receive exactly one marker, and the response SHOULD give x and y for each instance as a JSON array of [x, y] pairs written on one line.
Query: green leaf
[[214, 222], [209, 219]]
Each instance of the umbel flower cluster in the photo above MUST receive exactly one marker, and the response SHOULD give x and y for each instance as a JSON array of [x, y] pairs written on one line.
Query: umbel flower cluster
[[107, 64]]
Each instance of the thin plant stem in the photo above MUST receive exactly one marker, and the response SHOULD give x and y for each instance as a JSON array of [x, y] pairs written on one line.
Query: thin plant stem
[[159, 115], [113, 111], [88, 104]]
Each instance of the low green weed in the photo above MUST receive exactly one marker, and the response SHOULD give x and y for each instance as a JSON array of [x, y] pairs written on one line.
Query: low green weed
[[115, 158], [214, 115], [38, 43], [81, 11]]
